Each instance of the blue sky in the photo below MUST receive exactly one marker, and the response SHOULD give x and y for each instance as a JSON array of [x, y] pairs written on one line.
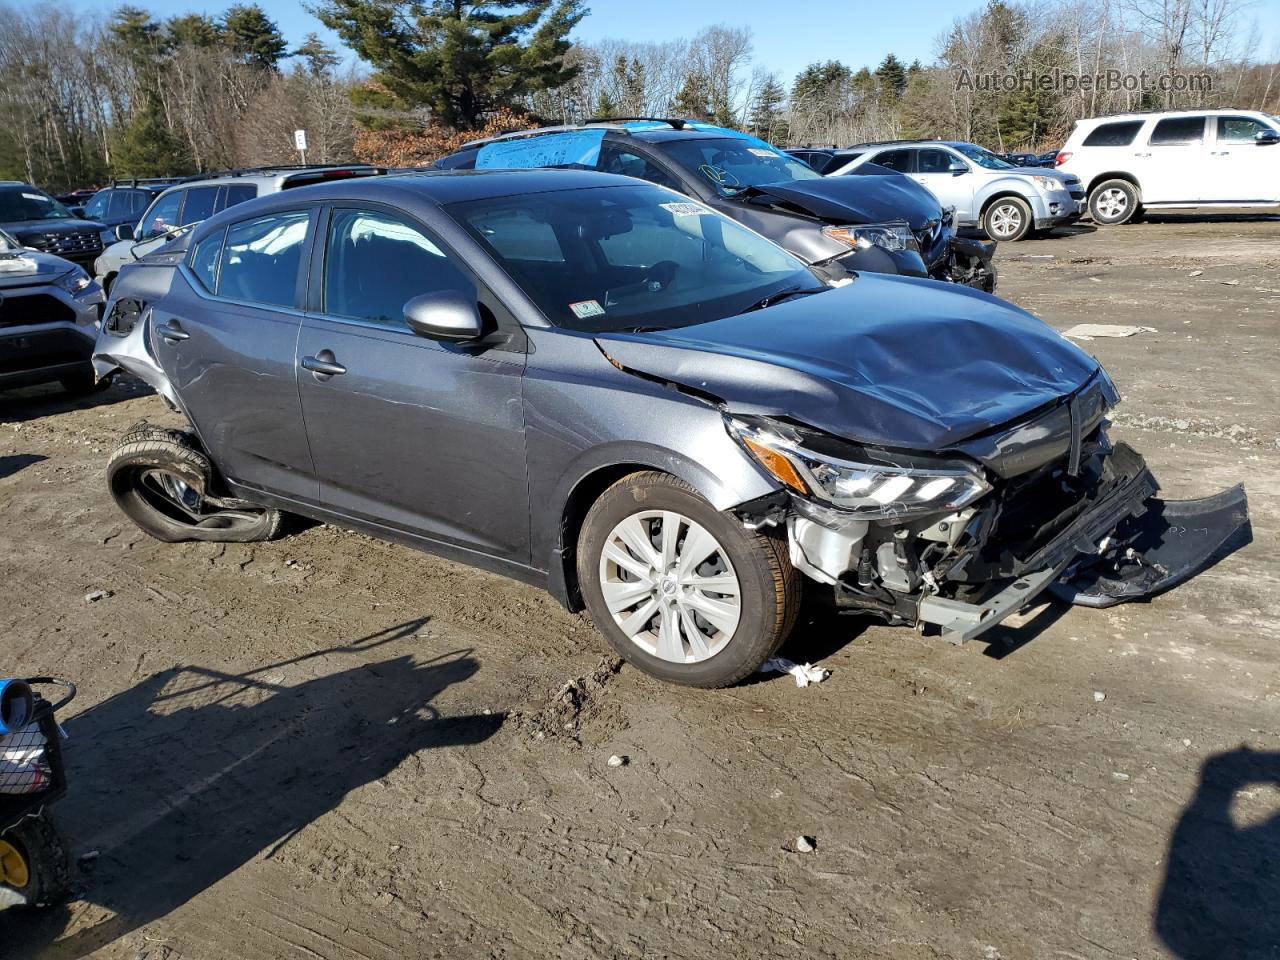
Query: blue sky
[[788, 34]]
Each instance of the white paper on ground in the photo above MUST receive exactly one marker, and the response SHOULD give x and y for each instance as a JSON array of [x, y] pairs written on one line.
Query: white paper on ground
[[805, 674], [1087, 331]]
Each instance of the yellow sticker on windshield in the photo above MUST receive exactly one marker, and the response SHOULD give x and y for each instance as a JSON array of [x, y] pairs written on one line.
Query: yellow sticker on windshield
[[685, 209], [587, 308]]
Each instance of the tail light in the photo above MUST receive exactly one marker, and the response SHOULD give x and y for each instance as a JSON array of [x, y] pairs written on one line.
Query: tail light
[[1062, 157]]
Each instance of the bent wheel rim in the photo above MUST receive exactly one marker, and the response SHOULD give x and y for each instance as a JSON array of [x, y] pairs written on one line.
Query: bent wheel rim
[[170, 495], [1006, 220], [670, 586], [1112, 203], [13, 867]]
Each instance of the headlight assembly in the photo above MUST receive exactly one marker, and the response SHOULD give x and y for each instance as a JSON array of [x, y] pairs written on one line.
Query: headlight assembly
[[74, 281], [1049, 184], [887, 236], [867, 490]]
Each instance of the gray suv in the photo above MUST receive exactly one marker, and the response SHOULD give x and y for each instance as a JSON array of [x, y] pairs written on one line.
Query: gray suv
[[605, 388], [1007, 201]]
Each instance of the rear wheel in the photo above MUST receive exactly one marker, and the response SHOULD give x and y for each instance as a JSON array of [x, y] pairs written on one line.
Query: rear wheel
[[681, 590], [34, 862], [1113, 202], [1008, 219], [161, 481]]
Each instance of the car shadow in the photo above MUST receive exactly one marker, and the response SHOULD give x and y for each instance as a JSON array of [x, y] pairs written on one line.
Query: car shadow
[[30, 403], [1222, 878], [192, 773], [12, 463]]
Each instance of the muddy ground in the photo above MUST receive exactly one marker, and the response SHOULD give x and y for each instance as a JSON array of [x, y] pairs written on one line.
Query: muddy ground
[[331, 747]]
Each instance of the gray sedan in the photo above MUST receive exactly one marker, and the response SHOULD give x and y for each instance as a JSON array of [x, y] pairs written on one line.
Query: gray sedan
[[605, 388]]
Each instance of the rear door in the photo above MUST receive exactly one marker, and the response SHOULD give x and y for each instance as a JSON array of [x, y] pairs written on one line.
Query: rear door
[[1241, 170], [1176, 167], [414, 434], [227, 339], [933, 171]]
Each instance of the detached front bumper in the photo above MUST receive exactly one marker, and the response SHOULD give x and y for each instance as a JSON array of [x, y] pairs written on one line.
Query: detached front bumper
[[1128, 545]]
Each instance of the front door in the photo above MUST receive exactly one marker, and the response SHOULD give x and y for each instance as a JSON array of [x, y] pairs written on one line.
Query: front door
[[1241, 170], [415, 434], [933, 171], [225, 337]]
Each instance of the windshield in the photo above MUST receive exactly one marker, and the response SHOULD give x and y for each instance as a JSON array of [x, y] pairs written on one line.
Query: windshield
[[27, 203], [8, 244], [622, 258], [983, 158], [732, 165]]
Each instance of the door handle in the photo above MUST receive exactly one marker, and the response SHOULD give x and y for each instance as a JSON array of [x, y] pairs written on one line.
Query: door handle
[[1142, 154], [323, 365], [172, 332]]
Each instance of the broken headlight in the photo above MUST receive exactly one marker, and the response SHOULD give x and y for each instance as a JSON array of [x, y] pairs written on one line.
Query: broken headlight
[[888, 236], [871, 485]]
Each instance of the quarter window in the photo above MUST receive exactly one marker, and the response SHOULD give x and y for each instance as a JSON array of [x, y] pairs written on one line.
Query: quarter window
[[1239, 129], [204, 260], [376, 263], [614, 159], [900, 160], [1113, 134], [1173, 131], [261, 258], [237, 193], [163, 216]]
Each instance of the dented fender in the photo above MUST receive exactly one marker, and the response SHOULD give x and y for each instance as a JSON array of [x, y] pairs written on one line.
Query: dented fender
[[124, 343]]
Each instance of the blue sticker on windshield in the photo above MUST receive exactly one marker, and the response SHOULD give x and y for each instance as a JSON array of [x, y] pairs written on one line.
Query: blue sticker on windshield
[[574, 148]]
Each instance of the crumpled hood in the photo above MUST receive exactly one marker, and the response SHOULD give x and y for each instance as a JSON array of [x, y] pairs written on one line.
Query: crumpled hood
[[44, 268], [853, 199], [886, 360]]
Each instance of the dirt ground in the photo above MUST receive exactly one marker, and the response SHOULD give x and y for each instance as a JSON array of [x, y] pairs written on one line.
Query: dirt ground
[[331, 747]]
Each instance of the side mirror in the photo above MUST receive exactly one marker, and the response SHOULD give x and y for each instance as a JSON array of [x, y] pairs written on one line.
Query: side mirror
[[124, 231], [78, 212], [958, 167], [444, 315], [1263, 137]]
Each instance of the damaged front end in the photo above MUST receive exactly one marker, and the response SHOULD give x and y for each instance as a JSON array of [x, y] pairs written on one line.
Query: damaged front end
[[966, 538]]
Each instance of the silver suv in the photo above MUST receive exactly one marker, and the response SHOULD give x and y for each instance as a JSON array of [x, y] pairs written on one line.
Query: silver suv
[[1008, 202], [198, 198]]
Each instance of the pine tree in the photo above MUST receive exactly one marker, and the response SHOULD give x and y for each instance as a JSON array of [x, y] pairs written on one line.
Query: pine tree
[[146, 147], [892, 78], [461, 59], [253, 36], [193, 30], [692, 100], [319, 57], [767, 121]]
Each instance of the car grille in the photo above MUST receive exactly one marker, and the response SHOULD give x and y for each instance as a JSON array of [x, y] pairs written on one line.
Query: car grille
[[21, 311], [77, 245]]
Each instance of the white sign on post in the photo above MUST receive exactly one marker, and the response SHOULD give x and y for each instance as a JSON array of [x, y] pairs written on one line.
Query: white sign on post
[[300, 140]]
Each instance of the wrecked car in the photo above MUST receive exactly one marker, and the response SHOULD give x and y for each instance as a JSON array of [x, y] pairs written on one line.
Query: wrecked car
[[884, 223], [604, 388]]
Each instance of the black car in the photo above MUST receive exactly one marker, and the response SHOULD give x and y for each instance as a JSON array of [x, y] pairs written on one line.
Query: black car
[[39, 221], [121, 202], [825, 159], [881, 224]]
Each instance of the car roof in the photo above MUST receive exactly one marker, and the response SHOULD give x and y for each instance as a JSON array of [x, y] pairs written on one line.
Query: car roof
[[272, 176], [1159, 114]]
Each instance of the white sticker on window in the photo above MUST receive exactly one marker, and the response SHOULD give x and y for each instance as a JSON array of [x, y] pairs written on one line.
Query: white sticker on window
[[33, 196], [685, 209], [761, 153], [587, 308]]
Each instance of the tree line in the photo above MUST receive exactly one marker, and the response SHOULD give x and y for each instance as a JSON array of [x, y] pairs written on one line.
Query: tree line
[[133, 95]]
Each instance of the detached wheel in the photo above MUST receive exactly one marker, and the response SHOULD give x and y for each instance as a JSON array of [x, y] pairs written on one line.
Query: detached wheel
[[1008, 219], [682, 591], [161, 481], [34, 862], [1113, 201]]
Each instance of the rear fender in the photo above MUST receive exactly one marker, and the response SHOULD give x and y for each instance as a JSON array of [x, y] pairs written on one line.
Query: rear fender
[[124, 343]]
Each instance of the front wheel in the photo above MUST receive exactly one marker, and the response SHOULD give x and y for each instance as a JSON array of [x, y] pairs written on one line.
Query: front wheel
[[34, 862], [681, 590], [1113, 202], [1008, 219], [160, 479]]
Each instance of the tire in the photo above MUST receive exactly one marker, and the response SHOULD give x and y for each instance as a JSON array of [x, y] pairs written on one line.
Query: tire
[[41, 859], [1113, 202], [1008, 219], [84, 384], [710, 653], [161, 481]]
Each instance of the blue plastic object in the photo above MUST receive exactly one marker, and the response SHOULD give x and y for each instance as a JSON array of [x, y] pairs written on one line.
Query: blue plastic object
[[573, 148]]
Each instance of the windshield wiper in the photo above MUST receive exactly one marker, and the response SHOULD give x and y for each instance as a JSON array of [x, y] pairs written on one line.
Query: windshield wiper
[[773, 298]]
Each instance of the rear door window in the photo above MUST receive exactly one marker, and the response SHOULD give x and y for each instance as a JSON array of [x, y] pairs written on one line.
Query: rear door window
[[1176, 131], [261, 259], [901, 160], [1113, 134], [204, 260], [1237, 129], [236, 193]]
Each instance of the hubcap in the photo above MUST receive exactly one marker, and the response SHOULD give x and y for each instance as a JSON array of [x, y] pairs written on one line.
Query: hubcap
[[1112, 203], [1006, 220], [670, 587], [13, 868]]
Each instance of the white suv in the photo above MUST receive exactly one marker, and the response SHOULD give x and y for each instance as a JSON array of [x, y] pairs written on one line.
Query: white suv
[[1181, 159]]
